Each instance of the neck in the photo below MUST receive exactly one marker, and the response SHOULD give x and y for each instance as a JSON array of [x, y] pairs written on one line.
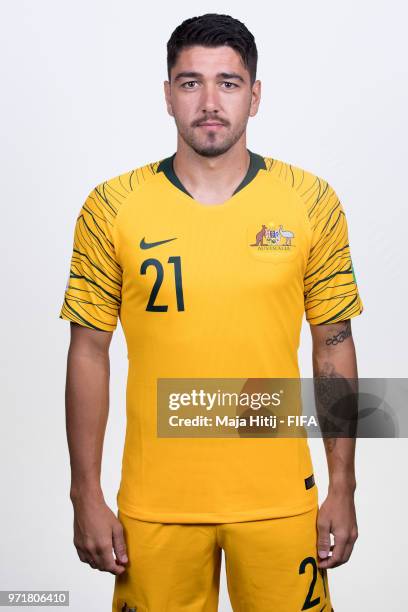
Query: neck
[[211, 180]]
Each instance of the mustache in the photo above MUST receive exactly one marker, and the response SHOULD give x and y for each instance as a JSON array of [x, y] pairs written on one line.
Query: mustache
[[202, 120]]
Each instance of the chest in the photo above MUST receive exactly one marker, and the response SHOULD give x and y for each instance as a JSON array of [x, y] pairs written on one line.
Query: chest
[[175, 254]]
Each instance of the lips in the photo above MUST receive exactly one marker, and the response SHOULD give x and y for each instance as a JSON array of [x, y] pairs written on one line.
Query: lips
[[211, 124]]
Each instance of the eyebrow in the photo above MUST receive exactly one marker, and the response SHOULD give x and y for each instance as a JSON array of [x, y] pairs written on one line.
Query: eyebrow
[[224, 75]]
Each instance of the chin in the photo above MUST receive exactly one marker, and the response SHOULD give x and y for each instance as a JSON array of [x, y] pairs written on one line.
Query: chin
[[212, 150]]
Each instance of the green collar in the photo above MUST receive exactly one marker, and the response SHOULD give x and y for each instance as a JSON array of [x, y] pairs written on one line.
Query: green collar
[[256, 163]]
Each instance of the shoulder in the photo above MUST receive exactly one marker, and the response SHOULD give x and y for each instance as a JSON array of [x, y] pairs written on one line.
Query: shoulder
[[117, 188], [108, 196], [316, 193]]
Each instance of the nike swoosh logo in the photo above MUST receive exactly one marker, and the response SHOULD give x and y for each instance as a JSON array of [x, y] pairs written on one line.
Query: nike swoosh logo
[[149, 245]]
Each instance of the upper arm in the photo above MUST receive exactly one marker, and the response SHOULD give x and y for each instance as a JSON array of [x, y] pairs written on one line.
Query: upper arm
[[328, 336], [330, 288], [93, 293], [90, 340]]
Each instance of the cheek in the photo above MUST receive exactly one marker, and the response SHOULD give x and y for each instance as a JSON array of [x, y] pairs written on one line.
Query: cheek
[[183, 112], [240, 119], [238, 108]]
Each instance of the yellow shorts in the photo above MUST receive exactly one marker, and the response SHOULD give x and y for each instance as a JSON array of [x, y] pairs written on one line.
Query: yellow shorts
[[270, 566]]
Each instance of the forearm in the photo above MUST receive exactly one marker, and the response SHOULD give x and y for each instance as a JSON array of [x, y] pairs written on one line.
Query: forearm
[[87, 407], [334, 359]]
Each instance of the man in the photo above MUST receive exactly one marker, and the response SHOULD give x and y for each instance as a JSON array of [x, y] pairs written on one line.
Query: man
[[210, 257]]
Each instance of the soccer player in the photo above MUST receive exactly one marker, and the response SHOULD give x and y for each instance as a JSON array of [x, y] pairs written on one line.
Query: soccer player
[[209, 257]]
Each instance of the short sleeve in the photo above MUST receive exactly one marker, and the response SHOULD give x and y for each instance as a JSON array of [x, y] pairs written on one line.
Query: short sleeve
[[330, 286], [93, 292]]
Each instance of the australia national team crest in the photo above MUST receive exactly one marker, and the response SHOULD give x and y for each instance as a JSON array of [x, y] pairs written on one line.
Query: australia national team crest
[[270, 238], [272, 241]]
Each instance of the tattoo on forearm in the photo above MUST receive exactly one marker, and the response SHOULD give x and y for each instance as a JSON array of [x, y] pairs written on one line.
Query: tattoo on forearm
[[336, 404], [344, 333]]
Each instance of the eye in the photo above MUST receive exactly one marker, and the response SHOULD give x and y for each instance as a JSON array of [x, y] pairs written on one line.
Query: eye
[[229, 85], [188, 83]]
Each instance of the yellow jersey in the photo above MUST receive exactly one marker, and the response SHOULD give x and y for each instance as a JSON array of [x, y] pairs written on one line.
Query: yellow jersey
[[210, 291]]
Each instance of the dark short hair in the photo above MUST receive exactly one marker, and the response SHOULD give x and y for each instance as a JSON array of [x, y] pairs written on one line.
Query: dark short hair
[[214, 30]]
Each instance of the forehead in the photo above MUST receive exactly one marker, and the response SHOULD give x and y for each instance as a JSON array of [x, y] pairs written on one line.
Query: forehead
[[209, 60]]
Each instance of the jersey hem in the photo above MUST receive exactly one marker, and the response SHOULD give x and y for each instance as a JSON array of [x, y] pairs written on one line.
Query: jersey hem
[[215, 517], [322, 319]]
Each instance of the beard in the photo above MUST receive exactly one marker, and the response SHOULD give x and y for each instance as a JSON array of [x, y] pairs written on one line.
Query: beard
[[211, 144]]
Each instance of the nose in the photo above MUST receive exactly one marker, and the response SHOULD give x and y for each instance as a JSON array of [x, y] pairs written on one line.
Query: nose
[[210, 100]]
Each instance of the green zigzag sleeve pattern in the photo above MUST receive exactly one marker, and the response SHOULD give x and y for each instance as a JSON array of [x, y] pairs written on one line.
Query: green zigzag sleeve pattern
[[93, 292], [330, 289]]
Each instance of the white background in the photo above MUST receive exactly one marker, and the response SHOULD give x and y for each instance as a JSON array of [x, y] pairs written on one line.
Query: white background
[[82, 101]]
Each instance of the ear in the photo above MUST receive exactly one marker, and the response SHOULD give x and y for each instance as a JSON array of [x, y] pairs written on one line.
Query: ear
[[255, 99], [167, 95]]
